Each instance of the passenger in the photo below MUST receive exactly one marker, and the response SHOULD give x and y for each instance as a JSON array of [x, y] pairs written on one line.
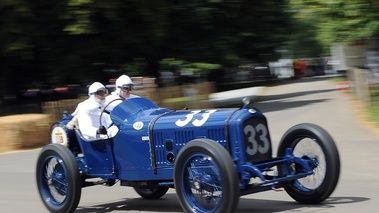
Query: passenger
[[123, 91], [88, 114]]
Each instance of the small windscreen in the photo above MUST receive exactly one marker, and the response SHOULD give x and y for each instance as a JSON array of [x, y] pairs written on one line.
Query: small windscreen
[[129, 107]]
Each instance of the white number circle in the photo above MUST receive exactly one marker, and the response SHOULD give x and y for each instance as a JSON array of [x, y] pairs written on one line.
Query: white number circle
[[58, 135]]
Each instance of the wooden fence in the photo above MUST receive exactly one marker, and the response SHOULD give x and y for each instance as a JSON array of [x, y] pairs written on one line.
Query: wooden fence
[[194, 96]]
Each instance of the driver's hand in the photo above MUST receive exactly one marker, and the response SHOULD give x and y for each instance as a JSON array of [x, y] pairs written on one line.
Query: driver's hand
[[102, 130]]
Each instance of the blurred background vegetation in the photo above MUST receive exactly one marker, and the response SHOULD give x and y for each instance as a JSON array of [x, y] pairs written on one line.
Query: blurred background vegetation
[[56, 43]]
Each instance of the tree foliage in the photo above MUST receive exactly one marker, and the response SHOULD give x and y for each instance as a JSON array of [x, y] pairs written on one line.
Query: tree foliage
[[339, 21], [74, 41]]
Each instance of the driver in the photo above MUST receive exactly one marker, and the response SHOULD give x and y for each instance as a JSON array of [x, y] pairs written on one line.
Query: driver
[[124, 87], [89, 112]]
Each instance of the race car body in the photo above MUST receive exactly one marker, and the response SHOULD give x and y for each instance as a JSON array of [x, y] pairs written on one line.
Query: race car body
[[211, 157]]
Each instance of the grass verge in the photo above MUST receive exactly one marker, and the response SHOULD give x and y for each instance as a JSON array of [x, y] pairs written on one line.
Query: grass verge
[[371, 113]]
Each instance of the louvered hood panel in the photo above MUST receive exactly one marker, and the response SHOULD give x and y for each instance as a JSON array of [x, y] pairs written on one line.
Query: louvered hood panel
[[173, 130]]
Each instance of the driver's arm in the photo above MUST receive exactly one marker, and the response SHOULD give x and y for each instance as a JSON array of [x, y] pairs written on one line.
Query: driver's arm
[[88, 121]]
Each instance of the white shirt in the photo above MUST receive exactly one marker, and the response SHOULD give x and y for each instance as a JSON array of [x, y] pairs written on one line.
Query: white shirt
[[88, 115]]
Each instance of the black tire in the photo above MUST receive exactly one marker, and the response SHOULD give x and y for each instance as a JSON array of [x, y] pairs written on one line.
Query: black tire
[[205, 178], [151, 193], [58, 179], [311, 142]]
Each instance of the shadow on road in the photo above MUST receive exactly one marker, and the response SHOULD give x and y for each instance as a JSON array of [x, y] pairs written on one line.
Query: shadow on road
[[271, 103], [270, 206], [292, 95], [281, 105], [277, 102], [169, 203]]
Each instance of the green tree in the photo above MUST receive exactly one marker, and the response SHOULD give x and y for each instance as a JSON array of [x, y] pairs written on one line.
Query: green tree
[[338, 21], [74, 41]]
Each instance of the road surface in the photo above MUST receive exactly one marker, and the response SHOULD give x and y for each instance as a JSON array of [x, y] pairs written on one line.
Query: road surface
[[314, 100]]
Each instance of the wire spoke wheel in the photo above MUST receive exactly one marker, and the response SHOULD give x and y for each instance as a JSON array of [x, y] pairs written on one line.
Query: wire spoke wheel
[[314, 145], [311, 150], [55, 181], [58, 179], [205, 178]]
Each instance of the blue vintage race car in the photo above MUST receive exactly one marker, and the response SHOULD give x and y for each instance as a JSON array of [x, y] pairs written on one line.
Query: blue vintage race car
[[211, 158]]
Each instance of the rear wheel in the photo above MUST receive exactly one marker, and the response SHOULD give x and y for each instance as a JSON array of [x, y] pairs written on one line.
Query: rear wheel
[[313, 144], [205, 178], [58, 179]]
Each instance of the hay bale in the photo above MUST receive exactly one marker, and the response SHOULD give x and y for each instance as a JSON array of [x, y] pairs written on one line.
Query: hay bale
[[24, 131]]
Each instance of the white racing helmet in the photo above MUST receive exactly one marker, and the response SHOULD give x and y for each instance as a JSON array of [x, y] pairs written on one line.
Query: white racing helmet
[[95, 87], [123, 80]]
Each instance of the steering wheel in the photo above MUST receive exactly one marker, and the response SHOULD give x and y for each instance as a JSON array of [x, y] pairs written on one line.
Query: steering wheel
[[104, 109]]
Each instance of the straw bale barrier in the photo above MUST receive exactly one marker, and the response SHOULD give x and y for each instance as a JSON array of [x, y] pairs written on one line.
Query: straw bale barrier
[[32, 130], [24, 131]]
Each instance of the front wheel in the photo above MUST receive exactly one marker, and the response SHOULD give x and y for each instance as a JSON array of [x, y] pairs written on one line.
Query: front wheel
[[58, 179], [205, 178], [313, 144]]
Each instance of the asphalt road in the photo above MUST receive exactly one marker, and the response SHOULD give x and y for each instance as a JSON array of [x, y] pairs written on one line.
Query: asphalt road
[[313, 100]]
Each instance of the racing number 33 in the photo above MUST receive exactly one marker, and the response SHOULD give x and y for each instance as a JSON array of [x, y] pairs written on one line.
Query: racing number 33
[[196, 122], [254, 147], [249, 130]]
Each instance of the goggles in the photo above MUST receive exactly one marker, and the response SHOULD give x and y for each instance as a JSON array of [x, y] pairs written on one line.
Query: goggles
[[101, 92], [126, 87]]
